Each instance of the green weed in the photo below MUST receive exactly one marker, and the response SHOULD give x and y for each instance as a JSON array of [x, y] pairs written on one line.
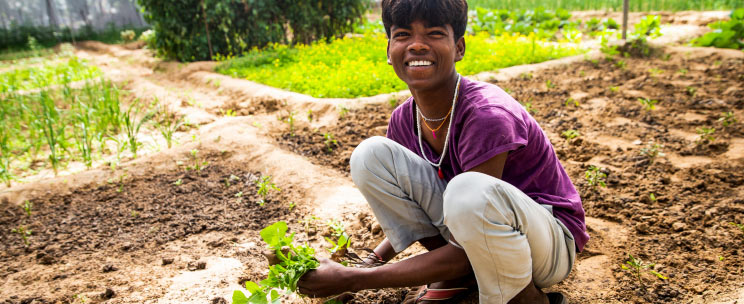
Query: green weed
[[638, 267], [727, 119], [167, 123], [24, 233], [692, 91], [570, 134], [178, 182], [27, 206], [197, 164], [706, 135], [549, 84], [595, 177], [652, 151], [648, 104], [132, 125], [329, 141], [571, 101], [528, 107]]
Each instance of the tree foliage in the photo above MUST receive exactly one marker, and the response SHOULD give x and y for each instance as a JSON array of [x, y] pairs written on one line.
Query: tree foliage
[[236, 26]]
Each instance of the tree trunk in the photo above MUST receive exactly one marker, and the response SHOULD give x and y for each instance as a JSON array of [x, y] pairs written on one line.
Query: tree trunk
[[52, 16]]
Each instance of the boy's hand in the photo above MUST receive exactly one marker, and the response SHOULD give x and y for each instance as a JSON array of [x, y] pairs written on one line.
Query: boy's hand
[[329, 279]]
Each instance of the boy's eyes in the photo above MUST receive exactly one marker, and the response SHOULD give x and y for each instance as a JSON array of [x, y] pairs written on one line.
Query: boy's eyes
[[404, 34], [400, 34]]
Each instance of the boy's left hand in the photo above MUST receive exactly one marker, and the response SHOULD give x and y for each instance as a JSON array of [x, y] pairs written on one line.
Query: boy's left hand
[[329, 279]]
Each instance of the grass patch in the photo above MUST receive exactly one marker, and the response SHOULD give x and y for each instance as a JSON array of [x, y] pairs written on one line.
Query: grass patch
[[59, 71], [357, 66], [616, 5]]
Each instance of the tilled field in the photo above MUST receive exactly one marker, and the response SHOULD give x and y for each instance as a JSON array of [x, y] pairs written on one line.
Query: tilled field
[[181, 235]]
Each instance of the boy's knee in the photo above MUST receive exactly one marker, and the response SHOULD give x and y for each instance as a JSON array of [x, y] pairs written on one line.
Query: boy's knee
[[468, 194], [366, 156]]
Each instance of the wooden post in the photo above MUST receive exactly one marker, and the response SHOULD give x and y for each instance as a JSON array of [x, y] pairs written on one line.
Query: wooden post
[[625, 19]]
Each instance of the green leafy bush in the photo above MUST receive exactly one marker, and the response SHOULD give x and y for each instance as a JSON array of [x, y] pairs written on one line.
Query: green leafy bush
[[726, 34], [184, 30]]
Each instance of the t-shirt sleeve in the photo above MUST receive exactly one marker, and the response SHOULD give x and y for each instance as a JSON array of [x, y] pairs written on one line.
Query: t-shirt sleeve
[[394, 125], [490, 131]]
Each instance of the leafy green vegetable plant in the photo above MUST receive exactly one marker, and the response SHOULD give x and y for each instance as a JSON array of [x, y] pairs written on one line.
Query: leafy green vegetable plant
[[638, 267], [726, 34], [595, 177], [283, 276]]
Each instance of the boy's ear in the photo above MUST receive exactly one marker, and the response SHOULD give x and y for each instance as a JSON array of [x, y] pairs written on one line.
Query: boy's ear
[[460, 46]]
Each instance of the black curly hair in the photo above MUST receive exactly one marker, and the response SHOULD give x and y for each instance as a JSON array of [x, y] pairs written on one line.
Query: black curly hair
[[434, 12]]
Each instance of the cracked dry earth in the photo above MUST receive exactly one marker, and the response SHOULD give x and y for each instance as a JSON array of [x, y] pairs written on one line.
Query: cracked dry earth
[[152, 232]]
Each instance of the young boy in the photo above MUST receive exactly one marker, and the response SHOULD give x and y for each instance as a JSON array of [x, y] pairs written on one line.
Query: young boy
[[466, 172]]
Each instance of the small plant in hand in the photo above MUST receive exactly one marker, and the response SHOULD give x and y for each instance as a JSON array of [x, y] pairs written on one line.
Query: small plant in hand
[[570, 134], [595, 177], [24, 233], [638, 267], [706, 135], [264, 187], [293, 264], [648, 104]]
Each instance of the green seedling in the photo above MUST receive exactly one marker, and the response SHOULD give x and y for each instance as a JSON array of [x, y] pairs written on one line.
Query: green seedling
[[638, 267], [582, 73], [526, 76], [727, 119], [549, 84], [648, 104], [682, 72], [197, 164], [652, 151], [178, 182], [264, 187], [652, 197], [310, 115], [24, 233], [291, 205], [614, 89], [342, 111], [230, 180], [283, 276], [290, 121], [571, 101], [720, 258], [134, 213], [309, 222], [595, 177], [132, 125], [706, 135], [570, 134], [329, 141], [239, 195], [120, 189], [655, 72], [228, 112], [691, 91], [27, 205], [337, 227], [167, 124], [620, 64]]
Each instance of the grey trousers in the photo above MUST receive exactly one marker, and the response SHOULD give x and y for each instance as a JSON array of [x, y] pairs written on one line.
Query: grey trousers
[[509, 239]]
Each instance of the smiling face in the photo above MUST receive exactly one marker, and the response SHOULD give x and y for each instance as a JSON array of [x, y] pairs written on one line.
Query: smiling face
[[424, 57]]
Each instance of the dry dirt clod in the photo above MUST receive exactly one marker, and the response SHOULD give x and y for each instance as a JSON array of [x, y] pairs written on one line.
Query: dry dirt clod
[[109, 268], [167, 261], [219, 300], [108, 294], [197, 265]]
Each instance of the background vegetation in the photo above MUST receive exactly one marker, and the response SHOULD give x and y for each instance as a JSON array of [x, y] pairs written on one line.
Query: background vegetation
[[616, 5], [203, 29]]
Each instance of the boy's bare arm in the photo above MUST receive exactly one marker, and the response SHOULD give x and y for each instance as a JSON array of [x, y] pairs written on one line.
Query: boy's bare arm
[[445, 263]]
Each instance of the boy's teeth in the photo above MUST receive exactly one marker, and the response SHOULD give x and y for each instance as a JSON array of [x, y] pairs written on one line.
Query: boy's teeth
[[419, 63]]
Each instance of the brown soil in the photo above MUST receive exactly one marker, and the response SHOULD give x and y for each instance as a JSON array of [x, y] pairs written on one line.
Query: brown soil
[[143, 239]]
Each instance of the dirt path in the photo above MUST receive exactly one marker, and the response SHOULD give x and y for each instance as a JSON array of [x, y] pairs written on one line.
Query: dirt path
[[154, 232]]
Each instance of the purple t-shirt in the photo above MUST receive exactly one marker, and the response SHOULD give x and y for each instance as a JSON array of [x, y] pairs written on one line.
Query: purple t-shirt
[[488, 122]]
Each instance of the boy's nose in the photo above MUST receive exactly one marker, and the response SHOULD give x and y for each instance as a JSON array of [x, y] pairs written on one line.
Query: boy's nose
[[417, 46]]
